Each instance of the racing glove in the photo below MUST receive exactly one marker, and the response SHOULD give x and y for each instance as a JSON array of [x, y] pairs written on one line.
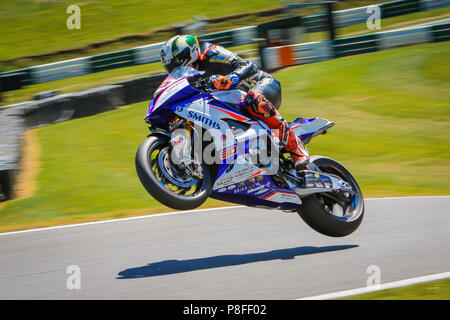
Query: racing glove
[[230, 81]]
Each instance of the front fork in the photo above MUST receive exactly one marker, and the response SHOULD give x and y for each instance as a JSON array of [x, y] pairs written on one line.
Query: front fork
[[182, 139]]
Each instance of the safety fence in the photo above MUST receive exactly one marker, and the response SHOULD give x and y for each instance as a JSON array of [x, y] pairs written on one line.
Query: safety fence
[[283, 56], [230, 38]]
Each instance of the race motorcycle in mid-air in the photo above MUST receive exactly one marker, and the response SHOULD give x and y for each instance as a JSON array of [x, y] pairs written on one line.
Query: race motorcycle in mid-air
[[203, 143]]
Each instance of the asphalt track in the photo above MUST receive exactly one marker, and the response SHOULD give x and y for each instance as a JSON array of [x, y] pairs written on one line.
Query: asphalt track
[[231, 253]]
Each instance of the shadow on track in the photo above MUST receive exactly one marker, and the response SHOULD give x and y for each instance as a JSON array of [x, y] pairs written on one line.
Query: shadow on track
[[178, 266]]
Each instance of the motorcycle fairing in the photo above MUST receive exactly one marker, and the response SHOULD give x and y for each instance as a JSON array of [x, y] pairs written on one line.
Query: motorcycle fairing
[[259, 191], [308, 128], [204, 109]]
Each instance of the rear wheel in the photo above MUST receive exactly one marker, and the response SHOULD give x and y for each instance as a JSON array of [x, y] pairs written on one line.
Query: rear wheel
[[332, 214], [165, 181]]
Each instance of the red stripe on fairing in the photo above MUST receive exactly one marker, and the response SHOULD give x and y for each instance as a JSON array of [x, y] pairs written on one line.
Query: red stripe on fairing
[[269, 195], [234, 115], [255, 174]]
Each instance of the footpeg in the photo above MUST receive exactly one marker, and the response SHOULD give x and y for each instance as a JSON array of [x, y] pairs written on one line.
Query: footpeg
[[198, 172]]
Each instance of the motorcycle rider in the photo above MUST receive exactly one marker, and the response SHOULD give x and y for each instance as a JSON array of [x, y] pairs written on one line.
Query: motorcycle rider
[[227, 71]]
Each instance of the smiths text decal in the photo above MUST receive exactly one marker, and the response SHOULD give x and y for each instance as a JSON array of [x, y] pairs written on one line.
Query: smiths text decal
[[203, 119]]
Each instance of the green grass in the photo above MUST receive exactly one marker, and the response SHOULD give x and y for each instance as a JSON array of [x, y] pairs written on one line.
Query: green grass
[[37, 27], [434, 290], [392, 115]]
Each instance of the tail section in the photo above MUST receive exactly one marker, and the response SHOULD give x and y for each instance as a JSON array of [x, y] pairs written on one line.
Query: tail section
[[306, 128]]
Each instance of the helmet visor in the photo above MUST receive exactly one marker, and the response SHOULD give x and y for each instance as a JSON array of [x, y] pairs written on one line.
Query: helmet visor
[[180, 60]]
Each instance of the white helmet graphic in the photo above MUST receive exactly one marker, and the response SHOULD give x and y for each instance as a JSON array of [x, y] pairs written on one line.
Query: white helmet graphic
[[179, 51]]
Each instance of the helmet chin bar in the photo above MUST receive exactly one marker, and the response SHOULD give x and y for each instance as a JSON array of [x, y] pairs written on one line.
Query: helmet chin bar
[[186, 53]]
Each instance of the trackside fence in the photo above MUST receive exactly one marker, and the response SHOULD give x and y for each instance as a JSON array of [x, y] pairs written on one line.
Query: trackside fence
[[236, 37], [279, 57]]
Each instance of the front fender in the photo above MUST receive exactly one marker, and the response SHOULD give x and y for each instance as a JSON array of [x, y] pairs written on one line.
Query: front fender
[[160, 133]]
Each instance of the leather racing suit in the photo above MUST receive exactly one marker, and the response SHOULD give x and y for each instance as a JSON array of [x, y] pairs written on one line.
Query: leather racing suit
[[263, 93]]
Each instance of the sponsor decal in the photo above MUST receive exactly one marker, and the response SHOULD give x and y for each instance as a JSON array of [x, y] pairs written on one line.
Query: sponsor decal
[[228, 152], [281, 196], [203, 119], [251, 187], [246, 182], [254, 189], [262, 191], [222, 189], [242, 189], [170, 89], [317, 180], [232, 187], [233, 178]]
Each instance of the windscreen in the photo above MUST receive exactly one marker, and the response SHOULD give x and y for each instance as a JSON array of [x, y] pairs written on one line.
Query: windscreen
[[177, 73]]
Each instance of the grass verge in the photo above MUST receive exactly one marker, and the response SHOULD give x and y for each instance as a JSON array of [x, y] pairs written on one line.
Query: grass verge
[[434, 290], [36, 27]]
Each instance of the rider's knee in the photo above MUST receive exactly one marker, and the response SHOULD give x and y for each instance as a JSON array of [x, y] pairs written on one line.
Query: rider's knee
[[258, 104]]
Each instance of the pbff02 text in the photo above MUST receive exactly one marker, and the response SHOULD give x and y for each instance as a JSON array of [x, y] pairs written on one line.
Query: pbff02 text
[[246, 309], [232, 309]]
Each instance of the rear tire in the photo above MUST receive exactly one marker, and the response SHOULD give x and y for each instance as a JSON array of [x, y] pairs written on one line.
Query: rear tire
[[316, 213], [157, 188]]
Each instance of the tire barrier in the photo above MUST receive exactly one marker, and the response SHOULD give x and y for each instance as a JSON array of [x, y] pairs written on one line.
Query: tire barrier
[[71, 106], [12, 125], [11, 81], [140, 89]]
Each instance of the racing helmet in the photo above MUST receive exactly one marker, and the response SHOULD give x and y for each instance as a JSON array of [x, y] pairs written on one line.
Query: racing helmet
[[179, 51]]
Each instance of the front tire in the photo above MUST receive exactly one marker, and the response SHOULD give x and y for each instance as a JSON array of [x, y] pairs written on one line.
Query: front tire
[[324, 216], [158, 182]]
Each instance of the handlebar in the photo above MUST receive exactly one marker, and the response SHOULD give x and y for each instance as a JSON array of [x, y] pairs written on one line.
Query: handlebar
[[202, 84]]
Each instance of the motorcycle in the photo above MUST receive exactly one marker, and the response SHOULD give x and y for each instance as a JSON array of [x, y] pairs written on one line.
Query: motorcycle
[[203, 143]]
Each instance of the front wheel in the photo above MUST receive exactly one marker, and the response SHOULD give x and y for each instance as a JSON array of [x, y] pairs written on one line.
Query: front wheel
[[165, 181], [328, 214]]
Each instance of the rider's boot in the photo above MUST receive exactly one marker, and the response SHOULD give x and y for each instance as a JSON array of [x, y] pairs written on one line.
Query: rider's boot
[[264, 110]]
